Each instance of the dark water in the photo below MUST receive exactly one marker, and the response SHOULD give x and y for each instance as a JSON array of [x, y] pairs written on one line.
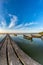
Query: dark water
[[33, 48]]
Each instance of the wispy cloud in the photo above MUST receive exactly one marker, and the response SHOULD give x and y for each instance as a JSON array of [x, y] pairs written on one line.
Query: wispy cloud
[[3, 24], [31, 23], [25, 25], [19, 26], [13, 20]]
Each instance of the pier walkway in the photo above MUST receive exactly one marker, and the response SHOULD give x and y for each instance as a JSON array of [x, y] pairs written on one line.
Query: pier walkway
[[11, 54]]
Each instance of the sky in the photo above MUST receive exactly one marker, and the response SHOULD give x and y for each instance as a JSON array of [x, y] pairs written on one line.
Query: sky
[[21, 16]]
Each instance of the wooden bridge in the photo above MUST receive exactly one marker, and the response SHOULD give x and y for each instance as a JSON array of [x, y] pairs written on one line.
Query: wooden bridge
[[11, 54]]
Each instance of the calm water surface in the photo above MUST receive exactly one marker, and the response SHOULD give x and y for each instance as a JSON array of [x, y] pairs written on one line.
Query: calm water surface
[[33, 48], [2, 36]]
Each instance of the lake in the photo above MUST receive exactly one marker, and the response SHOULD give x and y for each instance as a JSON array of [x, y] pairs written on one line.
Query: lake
[[33, 48], [2, 36]]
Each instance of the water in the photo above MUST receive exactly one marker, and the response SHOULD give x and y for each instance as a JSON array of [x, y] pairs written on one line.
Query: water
[[33, 48], [2, 36]]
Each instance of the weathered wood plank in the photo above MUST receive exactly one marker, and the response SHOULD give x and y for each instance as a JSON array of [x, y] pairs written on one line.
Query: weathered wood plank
[[12, 58], [2, 42], [3, 60]]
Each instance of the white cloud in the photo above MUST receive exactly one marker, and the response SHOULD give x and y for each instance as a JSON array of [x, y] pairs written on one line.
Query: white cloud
[[3, 23], [10, 15], [21, 30], [19, 26], [13, 20], [25, 25], [31, 23]]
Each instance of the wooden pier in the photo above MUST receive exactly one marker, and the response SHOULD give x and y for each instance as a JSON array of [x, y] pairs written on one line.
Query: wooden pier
[[11, 54]]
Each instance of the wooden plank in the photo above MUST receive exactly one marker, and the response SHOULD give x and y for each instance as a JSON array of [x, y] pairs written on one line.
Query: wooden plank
[[2, 42], [12, 58], [3, 60]]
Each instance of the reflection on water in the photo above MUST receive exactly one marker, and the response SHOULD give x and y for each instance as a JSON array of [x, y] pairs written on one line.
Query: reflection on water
[[33, 48], [2, 36]]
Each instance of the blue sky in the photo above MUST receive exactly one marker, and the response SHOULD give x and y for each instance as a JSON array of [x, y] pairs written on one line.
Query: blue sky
[[21, 16]]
